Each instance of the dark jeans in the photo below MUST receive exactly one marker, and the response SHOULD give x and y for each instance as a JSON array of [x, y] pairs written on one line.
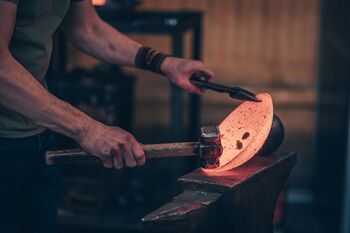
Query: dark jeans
[[28, 187]]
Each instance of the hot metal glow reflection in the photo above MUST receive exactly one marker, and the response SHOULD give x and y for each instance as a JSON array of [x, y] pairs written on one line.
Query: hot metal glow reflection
[[99, 2], [244, 132]]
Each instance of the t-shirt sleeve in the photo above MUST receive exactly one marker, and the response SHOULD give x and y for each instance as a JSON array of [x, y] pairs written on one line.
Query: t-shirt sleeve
[[13, 1]]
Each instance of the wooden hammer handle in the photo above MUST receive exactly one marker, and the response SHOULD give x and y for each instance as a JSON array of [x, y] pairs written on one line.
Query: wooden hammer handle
[[152, 151]]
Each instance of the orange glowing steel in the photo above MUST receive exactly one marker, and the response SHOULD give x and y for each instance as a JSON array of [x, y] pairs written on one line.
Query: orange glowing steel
[[99, 2], [244, 132]]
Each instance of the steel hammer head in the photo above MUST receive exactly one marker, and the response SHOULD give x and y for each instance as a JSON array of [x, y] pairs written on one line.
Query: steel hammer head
[[210, 148]]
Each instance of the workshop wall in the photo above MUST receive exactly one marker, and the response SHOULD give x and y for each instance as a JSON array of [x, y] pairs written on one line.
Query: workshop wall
[[254, 41]]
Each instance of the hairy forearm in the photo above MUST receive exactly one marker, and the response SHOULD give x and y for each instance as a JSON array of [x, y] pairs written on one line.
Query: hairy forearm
[[105, 43], [22, 93]]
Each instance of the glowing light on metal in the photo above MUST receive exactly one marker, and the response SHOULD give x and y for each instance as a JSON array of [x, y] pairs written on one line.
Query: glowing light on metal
[[244, 132], [99, 2]]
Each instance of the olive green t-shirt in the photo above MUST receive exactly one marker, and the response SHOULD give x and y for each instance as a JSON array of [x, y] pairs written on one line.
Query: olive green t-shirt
[[31, 46]]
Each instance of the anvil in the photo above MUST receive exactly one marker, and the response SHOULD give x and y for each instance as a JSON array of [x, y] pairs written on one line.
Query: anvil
[[241, 200]]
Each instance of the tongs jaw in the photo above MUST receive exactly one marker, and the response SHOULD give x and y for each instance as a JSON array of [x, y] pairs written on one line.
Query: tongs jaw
[[243, 94], [200, 79]]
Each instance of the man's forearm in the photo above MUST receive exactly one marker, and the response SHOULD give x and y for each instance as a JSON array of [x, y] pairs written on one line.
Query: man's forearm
[[22, 93], [105, 43]]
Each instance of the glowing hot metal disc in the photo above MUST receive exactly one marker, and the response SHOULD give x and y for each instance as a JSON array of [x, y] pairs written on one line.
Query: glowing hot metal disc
[[244, 132]]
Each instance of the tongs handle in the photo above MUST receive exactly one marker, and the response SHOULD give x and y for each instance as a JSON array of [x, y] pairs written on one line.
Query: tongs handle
[[200, 79]]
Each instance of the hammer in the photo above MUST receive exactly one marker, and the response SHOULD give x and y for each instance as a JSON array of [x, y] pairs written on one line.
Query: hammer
[[209, 150]]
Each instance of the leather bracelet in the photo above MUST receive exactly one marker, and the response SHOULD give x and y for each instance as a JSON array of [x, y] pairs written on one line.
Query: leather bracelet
[[149, 59]]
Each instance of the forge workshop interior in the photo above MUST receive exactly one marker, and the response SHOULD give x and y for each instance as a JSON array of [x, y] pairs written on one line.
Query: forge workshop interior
[[186, 116]]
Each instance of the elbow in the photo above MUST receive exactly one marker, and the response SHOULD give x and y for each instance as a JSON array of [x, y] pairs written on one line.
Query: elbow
[[5, 55], [6, 58], [4, 52], [77, 34], [80, 37]]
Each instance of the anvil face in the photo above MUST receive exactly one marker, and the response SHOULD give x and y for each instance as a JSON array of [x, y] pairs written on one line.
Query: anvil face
[[244, 132]]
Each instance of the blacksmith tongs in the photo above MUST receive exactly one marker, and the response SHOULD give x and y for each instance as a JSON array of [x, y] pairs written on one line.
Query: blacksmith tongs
[[200, 79]]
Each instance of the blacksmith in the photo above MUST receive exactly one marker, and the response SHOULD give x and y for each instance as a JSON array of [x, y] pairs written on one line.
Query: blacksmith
[[28, 112]]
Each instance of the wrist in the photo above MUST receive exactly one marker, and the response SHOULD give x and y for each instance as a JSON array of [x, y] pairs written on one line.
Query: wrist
[[165, 66], [83, 128]]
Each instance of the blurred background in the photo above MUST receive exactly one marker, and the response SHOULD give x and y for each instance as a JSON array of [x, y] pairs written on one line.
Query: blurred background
[[296, 50]]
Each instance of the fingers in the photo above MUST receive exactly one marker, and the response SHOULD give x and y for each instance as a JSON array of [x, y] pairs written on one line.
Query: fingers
[[128, 155], [193, 89], [138, 153], [199, 66], [121, 155], [114, 147], [209, 72], [117, 159], [189, 86], [107, 160]]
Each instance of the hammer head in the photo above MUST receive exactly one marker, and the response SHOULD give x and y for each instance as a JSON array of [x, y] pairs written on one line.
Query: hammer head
[[210, 148]]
